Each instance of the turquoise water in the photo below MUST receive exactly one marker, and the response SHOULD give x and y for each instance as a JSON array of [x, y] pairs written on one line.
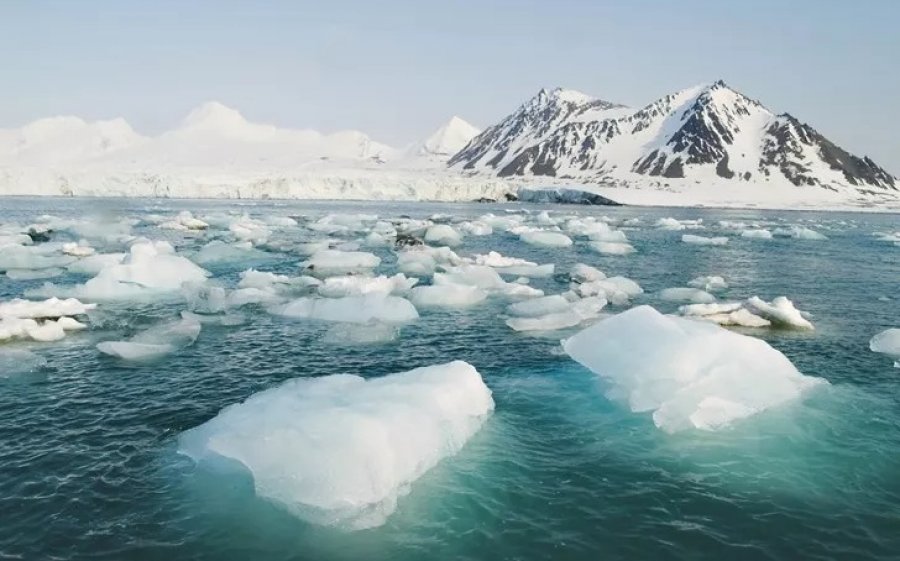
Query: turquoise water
[[89, 469]]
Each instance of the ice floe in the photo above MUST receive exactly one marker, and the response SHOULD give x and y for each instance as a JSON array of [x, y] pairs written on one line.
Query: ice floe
[[329, 262], [703, 240], [709, 283], [341, 450], [689, 374], [367, 308], [753, 312], [686, 294], [544, 238]]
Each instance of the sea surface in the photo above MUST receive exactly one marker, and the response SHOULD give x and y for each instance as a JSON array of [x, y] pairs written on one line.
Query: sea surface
[[89, 467]]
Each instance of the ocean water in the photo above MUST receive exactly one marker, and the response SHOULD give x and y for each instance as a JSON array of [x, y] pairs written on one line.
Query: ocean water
[[89, 467]]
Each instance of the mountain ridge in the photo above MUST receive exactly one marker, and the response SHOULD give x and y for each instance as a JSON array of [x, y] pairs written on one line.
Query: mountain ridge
[[709, 132]]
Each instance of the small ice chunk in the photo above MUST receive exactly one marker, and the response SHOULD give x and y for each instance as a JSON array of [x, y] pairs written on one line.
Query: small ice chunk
[[759, 234], [539, 306], [670, 224], [543, 238], [367, 308], [446, 296], [78, 249], [585, 273], [702, 240], [612, 248], [476, 228], [443, 234], [577, 312], [331, 262], [684, 294], [709, 283], [340, 450], [780, 312], [689, 374], [353, 285], [155, 342], [887, 342], [800, 233], [724, 313], [50, 308], [217, 252]]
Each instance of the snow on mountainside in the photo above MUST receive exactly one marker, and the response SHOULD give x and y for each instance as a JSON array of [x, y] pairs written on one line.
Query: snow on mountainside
[[708, 134], [216, 135], [450, 138], [61, 140]]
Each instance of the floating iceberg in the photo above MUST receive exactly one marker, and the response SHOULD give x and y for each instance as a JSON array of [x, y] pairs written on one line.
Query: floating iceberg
[[689, 374], [340, 450]]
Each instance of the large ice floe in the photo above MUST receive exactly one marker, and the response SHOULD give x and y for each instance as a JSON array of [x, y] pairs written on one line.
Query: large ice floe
[[887, 342], [341, 450], [155, 342], [689, 374]]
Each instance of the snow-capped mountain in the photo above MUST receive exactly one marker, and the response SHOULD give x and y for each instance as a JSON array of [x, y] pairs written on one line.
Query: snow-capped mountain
[[62, 140], [216, 135], [709, 133], [450, 138]]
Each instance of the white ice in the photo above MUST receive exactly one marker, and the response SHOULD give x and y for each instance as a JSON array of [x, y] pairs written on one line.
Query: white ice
[[446, 296], [341, 450], [542, 238], [887, 342], [685, 294], [443, 234], [329, 262], [367, 308], [702, 240], [689, 374]]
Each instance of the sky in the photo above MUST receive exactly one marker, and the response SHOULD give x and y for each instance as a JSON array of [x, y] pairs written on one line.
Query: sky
[[398, 69]]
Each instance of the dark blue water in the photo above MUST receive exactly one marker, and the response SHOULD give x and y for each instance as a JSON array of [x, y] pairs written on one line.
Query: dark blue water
[[89, 469]]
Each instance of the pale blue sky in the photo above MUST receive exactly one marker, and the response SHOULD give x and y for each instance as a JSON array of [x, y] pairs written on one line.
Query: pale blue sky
[[397, 69]]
